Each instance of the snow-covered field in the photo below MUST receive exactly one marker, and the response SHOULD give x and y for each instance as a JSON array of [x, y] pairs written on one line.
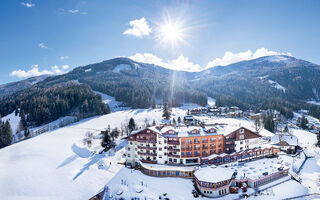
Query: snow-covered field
[[57, 165]]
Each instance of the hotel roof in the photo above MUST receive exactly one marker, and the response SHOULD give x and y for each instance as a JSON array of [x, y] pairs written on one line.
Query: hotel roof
[[213, 174]]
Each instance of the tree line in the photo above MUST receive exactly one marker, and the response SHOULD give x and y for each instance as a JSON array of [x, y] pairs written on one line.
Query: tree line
[[43, 105]]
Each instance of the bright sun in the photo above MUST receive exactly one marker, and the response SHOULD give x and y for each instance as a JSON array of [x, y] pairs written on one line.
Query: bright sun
[[171, 32]]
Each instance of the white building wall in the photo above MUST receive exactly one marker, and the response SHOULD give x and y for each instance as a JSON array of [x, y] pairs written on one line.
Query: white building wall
[[162, 152], [131, 154], [241, 145]]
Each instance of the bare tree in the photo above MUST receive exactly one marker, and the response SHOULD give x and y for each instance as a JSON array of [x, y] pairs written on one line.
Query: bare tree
[[88, 139]]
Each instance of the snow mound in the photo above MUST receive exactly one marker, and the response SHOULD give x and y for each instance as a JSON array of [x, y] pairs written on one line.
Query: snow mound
[[277, 85], [122, 67], [88, 70]]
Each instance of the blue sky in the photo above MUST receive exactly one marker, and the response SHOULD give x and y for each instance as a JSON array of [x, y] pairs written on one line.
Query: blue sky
[[53, 37]]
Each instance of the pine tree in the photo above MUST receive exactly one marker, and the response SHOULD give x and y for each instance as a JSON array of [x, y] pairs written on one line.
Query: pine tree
[[286, 129], [114, 133], [107, 143], [179, 119], [303, 122], [166, 113], [174, 122], [131, 125], [269, 123], [5, 134], [153, 103], [257, 124], [108, 110], [153, 123]]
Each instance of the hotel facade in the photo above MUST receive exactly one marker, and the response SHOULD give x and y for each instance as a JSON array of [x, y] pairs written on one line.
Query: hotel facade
[[173, 145]]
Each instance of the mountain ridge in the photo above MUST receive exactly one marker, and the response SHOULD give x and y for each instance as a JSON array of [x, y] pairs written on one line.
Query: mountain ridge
[[277, 82]]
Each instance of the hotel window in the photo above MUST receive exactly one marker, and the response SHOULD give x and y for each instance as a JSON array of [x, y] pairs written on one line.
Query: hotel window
[[182, 154], [129, 149], [242, 130], [160, 149], [241, 137], [130, 142], [204, 140], [129, 155], [148, 131]]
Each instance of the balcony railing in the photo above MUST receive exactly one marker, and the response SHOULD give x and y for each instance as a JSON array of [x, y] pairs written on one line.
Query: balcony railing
[[141, 147], [147, 141], [173, 149], [151, 148], [174, 156], [174, 142], [141, 154]]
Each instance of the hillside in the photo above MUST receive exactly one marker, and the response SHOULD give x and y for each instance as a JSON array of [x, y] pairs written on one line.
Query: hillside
[[10, 88], [277, 82]]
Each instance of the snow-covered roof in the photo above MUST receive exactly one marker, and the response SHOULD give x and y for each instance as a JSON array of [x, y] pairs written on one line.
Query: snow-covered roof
[[168, 167], [255, 169], [213, 174], [290, 139]]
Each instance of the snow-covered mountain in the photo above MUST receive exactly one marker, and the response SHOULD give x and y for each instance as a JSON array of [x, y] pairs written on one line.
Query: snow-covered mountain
[[13, 87], [290, 83]]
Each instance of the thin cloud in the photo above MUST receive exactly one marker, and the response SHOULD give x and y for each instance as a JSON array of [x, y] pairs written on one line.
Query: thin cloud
[[34, 71], [28, 5], [181, 63], [43, 46], [64, 57], [65, 67], [73, 11], [139, 28], [229, 57]]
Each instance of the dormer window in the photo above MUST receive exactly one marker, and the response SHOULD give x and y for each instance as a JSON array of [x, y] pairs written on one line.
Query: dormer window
[[242, 130]]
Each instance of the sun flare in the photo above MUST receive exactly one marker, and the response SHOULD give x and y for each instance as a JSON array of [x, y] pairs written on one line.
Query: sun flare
[[171, 32]]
